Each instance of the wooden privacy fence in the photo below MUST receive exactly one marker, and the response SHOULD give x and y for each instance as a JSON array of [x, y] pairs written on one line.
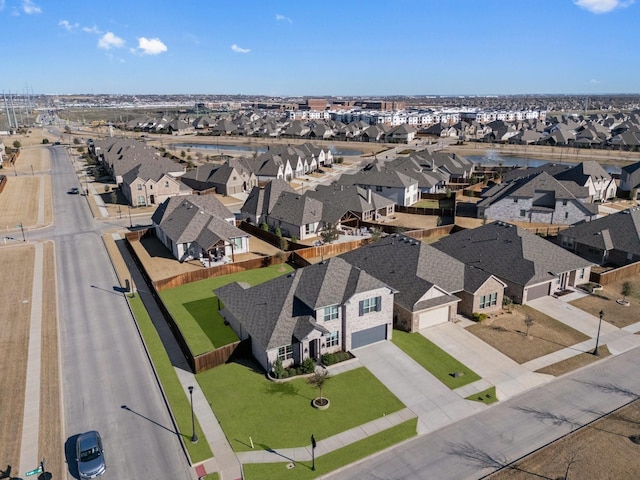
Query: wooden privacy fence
[[433, 232], [550, 231], [3, 181], [219, 356], [441, 212], [612, 276]]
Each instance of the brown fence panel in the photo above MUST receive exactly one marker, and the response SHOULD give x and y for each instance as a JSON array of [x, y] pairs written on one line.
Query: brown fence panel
[[219, 356], [612, 276], [433, 232], [206, 273], [3, 181], [550, 231], [442, 212]]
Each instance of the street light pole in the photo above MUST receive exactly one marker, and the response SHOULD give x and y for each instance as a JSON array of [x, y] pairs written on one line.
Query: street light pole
[[595, 351], [194, 438]]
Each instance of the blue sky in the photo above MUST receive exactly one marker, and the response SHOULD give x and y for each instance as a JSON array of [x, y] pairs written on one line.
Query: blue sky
[[289, 48]]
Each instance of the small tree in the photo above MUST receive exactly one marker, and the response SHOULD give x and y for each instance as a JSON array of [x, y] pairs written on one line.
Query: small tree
[[107, 189], [528, 321], [264, 227], [376, 234], [329, 234], [16, 144], [76, 141], [45, 141], [183, 154], [318, 380], [507, 303], [278, 369], [626, 290]]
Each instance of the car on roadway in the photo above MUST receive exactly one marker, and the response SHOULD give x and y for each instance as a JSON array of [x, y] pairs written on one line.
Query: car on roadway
[[74, 191], [90, 455]]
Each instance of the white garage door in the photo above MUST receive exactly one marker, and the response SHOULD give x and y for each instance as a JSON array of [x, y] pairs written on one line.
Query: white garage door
[[433, 317]]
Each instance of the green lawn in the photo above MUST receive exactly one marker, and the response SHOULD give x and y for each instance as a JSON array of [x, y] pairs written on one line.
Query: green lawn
[[280, 415], [433, 359], [487, 396], [332, 461], [195, 308], [178, 400], [426, 204]]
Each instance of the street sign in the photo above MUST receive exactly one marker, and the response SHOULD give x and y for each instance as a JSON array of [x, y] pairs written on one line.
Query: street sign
[[34, 472]]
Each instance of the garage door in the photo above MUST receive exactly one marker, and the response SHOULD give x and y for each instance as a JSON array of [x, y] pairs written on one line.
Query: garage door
[[433, 317], [538, 291], [368, 336]]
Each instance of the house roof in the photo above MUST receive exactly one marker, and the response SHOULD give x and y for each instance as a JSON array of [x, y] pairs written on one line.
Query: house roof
[[383, 178], [510, 253], [196, 218], [619, 231], [280, 311], [296, 209], [581, 173], [413, 268], [261, 200]]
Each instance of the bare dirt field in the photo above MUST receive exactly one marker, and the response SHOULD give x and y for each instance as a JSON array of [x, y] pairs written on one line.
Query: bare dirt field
[[50, 441], [602, 450], [605, 300], [507, 333], [19, 202], [15, 316], [32, 159]]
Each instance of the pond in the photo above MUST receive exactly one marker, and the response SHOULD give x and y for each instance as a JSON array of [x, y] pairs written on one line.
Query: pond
[[494, 158]]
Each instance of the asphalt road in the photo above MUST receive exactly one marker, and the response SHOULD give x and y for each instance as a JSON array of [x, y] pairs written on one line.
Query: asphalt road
[[479, 445], [103, 362]]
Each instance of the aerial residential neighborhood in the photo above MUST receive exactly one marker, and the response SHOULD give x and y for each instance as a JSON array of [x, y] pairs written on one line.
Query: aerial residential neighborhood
[[254, 241]]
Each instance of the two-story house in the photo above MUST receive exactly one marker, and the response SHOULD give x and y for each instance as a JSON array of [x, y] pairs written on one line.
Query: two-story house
[[323, 308]]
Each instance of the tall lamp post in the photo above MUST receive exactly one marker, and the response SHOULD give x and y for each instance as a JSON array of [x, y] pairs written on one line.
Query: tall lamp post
[[194, 438], [595, 351]]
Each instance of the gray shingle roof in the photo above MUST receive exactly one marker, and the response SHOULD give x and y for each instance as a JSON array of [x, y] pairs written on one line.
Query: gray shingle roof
[[510, 253], [619, 231], [280, 311]]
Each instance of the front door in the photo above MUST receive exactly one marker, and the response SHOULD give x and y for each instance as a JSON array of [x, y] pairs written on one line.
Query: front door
[[313, 349]]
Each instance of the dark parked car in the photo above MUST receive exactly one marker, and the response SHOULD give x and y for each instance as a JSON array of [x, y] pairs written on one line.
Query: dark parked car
[[90, 455], [74, 191]]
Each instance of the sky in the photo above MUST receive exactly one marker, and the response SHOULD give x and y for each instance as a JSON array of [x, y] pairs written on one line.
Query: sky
[[325, 48]]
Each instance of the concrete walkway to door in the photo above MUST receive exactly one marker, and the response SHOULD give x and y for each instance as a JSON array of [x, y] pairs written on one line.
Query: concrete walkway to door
[[430, 400]]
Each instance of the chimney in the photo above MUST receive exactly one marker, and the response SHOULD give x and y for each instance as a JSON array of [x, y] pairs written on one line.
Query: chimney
[[368, 195]]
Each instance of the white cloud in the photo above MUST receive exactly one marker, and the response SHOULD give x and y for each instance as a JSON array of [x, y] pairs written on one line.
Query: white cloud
[[93, 29], [109, 41], [69, 27], [602, 6], [2, 4], [151, 46], [30, 8], [238, 49], [282, 18]]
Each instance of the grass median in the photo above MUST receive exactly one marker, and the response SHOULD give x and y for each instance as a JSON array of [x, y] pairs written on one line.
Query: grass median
[[178, 400], [333, 460]]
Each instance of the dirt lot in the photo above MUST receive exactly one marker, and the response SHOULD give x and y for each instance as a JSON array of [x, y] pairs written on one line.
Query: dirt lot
[[602, 450], [32, 159], [15, 315], [605, 300], [19, 203], [507, 333]]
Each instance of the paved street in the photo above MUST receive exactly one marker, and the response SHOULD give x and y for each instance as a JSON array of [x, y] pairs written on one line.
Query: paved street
[[104, 366]]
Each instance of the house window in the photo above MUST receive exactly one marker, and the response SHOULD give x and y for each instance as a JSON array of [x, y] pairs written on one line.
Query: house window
[[566, 214], [150, 187], [139, 186], [141, 200], [285, 353], [237, 243], [166, 184], [581, 276], [515, 200], [564, 203], [332, 339], [378, 188], [489, 300], [523, 213], [369, 305], [330, 313]]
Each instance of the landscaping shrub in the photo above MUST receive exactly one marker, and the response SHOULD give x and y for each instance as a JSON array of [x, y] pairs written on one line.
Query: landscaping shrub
[[478, 317], [337, 357], [278, 369], [308, 366]]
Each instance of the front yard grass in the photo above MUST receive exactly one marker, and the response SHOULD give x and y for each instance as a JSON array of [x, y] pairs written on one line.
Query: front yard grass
[[333, 460], [280, 415], [180, 406], [487, 396], [195, 308], [433, 359]]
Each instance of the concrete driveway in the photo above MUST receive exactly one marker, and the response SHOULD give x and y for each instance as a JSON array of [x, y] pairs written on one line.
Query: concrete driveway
[[495, 368], [433, 403]]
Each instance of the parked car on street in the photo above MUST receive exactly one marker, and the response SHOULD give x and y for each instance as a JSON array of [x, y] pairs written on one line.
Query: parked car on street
[[74, 191]]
